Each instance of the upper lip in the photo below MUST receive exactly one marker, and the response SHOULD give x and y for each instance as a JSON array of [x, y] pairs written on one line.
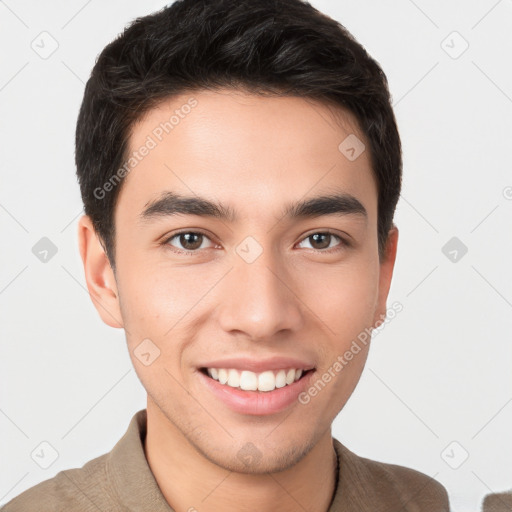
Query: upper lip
[[259, 365]]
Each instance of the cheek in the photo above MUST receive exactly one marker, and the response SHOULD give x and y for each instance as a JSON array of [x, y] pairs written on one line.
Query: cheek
[[343, 297], [148, 299], [157, 301], [141, 306]]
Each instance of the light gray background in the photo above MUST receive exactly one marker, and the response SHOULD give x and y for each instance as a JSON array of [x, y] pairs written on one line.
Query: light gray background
[[438, 373]]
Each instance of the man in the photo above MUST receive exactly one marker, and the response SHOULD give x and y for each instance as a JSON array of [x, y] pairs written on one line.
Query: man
[[240, 164]]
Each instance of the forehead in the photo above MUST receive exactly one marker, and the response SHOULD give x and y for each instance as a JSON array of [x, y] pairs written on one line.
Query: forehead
[[246, 150]]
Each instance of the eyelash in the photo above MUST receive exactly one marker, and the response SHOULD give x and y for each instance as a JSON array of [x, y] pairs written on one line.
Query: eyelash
[[343, 242]]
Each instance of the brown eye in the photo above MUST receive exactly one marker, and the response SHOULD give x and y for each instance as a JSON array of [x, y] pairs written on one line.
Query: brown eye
[[188, 240], [323, 240], [191, 241]]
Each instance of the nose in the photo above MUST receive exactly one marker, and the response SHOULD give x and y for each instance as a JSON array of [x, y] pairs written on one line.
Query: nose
[[259, 299]]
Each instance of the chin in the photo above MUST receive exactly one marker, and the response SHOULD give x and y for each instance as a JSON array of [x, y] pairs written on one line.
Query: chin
[[253, 460], [256, 456]]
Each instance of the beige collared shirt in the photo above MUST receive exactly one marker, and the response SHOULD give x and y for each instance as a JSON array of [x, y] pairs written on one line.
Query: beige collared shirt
[[121, 480]]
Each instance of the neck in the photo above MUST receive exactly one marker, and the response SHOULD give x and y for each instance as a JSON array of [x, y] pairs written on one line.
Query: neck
[[190, 482]]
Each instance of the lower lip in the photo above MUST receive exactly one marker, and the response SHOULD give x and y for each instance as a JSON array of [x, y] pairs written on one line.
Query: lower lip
[[257, 402]]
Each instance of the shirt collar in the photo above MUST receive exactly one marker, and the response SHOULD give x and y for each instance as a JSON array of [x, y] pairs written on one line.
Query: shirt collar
[[129, 472]]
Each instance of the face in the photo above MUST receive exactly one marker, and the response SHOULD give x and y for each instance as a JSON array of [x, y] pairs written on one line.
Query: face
[[257, 290]]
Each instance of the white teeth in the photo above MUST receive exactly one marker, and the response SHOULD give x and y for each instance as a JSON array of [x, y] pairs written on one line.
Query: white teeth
[[223, 376], [266, 381], [281, 379], [250, 381], [233, 378]]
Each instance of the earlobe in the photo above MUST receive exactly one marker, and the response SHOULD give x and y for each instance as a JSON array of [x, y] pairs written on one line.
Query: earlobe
[[385, 274], [99, 275]]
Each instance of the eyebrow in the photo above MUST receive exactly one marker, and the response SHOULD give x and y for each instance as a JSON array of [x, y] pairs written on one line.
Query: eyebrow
[[171, 204]]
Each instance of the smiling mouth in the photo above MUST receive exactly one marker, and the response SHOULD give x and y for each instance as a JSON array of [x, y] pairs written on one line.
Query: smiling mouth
[[265, 381]]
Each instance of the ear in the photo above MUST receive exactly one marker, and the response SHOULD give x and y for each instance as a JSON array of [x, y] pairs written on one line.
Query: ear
[[99, 275], [386, 273]]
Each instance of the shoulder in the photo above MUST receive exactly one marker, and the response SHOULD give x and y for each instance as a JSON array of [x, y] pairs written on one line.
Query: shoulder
[[78, 489], [408, 487], [498, 502], [389, 486]]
